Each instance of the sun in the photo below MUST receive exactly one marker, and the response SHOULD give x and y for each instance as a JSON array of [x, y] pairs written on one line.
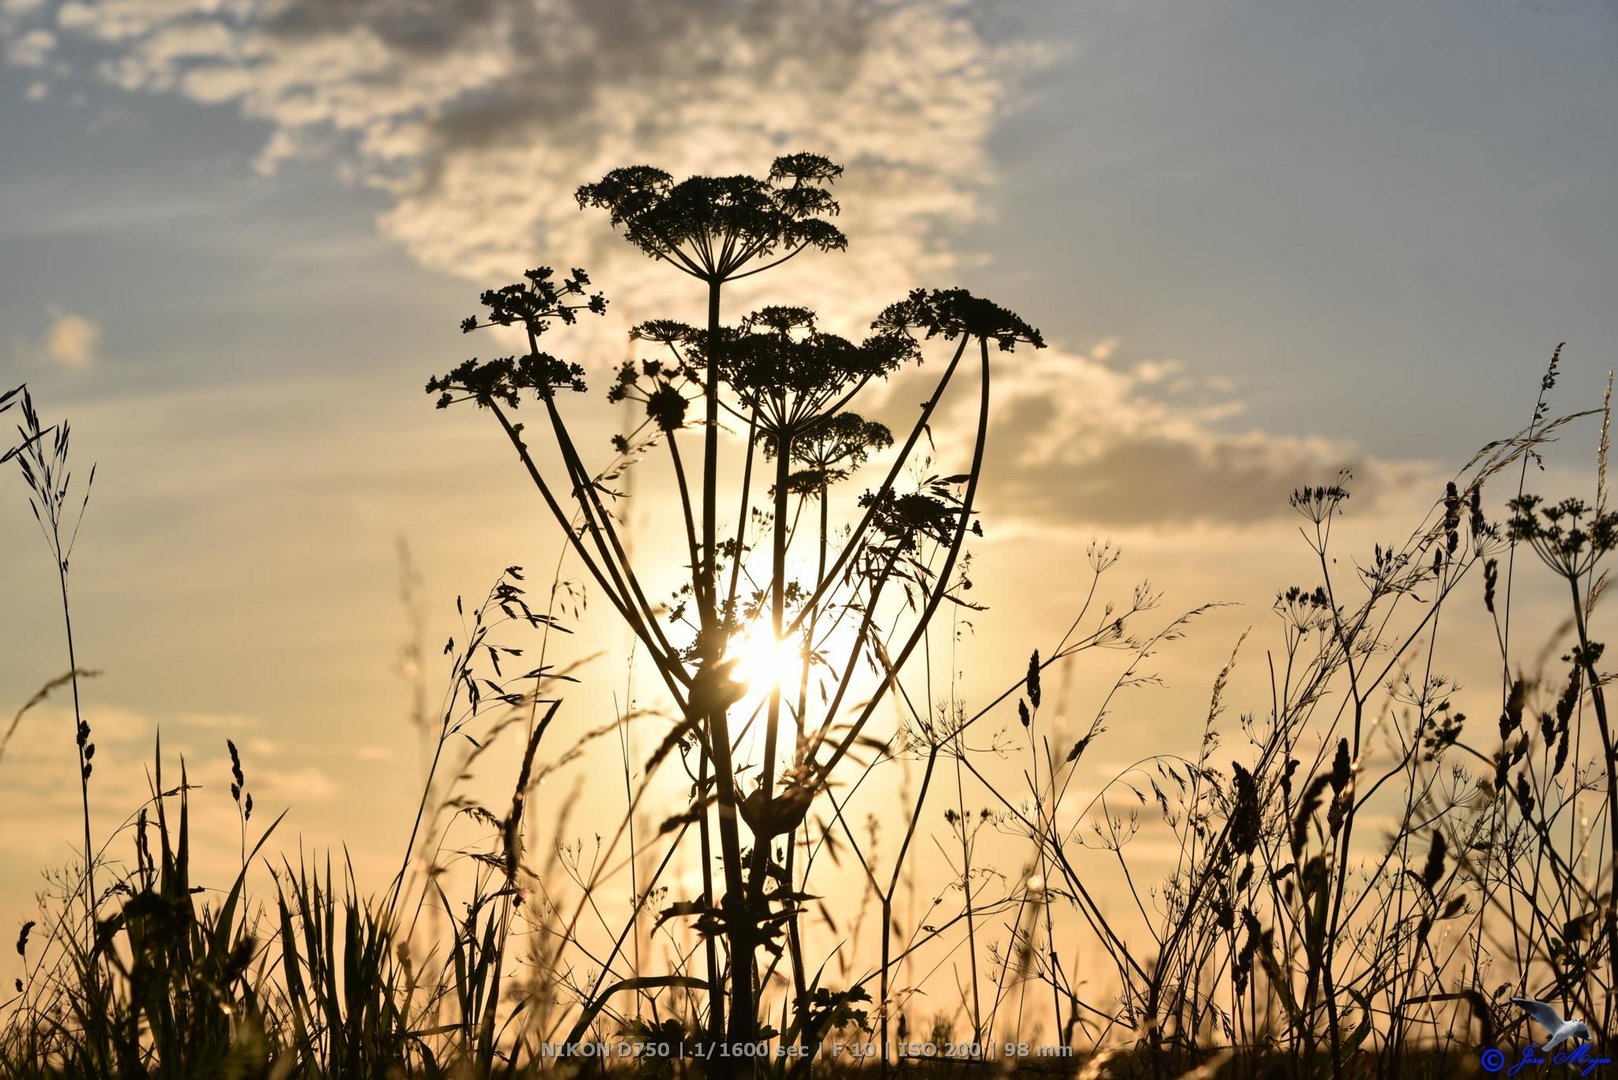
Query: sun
[[763, 663]]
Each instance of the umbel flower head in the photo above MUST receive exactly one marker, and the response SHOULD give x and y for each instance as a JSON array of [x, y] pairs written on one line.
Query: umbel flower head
[[782, 365], [532, 304], [658, 386], [831, 448], [1569, 536], [934, 513], [712, 226], [950, 313]]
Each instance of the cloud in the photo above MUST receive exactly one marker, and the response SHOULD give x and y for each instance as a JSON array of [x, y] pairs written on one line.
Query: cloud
[[32, 48], [40, 785], [1090, 439], [297, 786], [231, 723], [69, 340], [479, 118]]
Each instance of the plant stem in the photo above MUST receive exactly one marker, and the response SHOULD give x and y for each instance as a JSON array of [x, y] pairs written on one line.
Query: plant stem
[[1598, 699], [742, 1020], [84, 776]]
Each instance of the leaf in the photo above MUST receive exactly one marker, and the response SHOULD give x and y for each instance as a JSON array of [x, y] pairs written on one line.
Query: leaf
[[678, 909]]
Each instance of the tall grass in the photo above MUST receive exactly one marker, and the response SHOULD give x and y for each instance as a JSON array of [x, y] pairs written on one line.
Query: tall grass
[[860, 850], [42, 457]]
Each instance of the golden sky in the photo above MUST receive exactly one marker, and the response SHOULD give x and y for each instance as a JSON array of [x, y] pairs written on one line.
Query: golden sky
[[1263, 242]]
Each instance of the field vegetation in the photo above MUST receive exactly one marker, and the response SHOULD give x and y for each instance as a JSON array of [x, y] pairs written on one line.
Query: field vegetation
[[1367, 863]]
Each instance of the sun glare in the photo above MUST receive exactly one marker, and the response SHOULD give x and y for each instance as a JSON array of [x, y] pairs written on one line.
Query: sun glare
[[762, 663]]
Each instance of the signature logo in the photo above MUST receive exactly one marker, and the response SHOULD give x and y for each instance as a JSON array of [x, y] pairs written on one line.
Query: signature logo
[[1581, 1058]]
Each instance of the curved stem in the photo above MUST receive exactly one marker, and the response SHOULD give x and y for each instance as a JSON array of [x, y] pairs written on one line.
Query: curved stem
[[937, 597], [858, 534]]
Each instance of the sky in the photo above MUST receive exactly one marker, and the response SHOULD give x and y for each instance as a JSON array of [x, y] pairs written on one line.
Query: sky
[[1264, 241]]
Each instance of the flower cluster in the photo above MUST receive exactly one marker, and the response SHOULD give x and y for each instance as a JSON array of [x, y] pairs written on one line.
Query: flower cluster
[[792, 373], [531, 304], [830, 449], [712, 226], [1319, 503], [1569, 536], [950, 313], [238, 782]]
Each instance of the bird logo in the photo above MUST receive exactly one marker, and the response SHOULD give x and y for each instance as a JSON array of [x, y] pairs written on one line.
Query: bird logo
[[1558, 1031]]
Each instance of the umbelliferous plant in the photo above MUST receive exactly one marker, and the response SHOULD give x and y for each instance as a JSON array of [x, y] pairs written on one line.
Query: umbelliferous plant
[[785, 387]]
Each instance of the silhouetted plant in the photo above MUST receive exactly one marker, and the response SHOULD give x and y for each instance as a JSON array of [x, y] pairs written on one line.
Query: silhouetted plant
[[42, 457], [790, 383], [1370, 867]]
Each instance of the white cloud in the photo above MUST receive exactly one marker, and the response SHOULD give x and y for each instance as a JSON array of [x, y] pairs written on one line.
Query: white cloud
[[31, 48], [213, 84], [292, 787], [230, 723], [1115, 444], [479, 118], [70, 340], [39, 787]]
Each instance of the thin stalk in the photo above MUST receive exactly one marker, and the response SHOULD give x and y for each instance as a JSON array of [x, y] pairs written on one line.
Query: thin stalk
[[599, 524], [667, 669], [772, 721], [966, 887], [84, 773], [742, 1020], [710, 459], [1598, 699], [893, 884], [937, 597], [741, 511], [855, 538], [716, 1000], [685, 509]]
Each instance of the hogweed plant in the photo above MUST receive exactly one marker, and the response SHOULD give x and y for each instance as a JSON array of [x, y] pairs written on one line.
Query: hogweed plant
[[785, 387], [1273, 861]]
